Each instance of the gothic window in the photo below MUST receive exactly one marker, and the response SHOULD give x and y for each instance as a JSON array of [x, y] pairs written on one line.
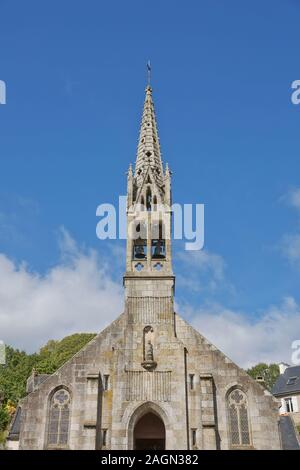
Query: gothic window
[[148, 199], [140, 249], [238, 418], [59, 419], [140, 243], [158, 245]]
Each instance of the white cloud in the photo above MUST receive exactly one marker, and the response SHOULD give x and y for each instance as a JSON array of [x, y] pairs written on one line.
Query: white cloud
[[249, 341], [290, 247], [293, 198], [202, 271], [77, 295], [204, 261]]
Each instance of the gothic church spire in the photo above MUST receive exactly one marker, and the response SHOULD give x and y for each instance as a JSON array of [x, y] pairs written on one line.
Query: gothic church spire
[[148, 152]]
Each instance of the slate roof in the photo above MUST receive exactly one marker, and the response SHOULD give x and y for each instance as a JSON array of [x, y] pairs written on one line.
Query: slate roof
[[14, 431], [289, 438], [281, 386]]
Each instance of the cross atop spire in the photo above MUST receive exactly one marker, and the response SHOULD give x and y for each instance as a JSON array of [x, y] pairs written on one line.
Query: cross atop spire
[[149, 72], [148, 152]]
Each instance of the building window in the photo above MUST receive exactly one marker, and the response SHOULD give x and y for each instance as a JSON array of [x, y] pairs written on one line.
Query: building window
[[192, 381], [194, 437], [289, 405], [59, 419], [104, 437], [238, 418], [105, 382], [292, 381]]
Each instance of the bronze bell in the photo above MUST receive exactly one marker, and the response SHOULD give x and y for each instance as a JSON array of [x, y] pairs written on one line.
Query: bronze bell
[[139, 251], [158, 250]]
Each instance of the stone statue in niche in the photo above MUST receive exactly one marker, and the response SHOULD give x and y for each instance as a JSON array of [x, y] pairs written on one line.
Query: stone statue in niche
[[149, 351], [148, 359]]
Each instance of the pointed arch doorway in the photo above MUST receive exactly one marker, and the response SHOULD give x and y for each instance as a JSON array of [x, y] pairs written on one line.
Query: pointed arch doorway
[[149, 433]]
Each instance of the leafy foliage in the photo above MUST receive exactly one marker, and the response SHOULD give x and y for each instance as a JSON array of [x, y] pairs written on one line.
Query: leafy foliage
[[55, 353], [268, 372], [19, 365], [4, 418]]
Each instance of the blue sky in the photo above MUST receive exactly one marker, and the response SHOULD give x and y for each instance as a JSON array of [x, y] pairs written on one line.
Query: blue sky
[[221, 77]]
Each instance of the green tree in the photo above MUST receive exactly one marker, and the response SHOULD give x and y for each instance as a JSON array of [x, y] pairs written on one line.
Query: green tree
[[55, 353], [4, 418], [268, 372], [14, 373]]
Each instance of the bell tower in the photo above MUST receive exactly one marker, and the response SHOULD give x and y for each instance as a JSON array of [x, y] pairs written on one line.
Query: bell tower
[[149, 215]]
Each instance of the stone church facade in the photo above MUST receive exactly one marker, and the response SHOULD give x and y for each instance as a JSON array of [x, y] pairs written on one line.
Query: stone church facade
[[149, 380]]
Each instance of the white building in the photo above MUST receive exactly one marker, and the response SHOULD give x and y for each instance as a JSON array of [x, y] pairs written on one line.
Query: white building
[[287, 390]]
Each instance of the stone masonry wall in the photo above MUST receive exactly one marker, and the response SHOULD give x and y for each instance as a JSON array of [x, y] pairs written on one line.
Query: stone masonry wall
[[180, 351]]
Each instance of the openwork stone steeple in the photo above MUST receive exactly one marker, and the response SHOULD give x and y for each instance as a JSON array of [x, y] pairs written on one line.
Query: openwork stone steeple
[[148, 204], [148, 152]]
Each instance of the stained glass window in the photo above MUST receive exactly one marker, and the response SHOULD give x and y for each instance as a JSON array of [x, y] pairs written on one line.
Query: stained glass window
[[59, 419], [238, 418]]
